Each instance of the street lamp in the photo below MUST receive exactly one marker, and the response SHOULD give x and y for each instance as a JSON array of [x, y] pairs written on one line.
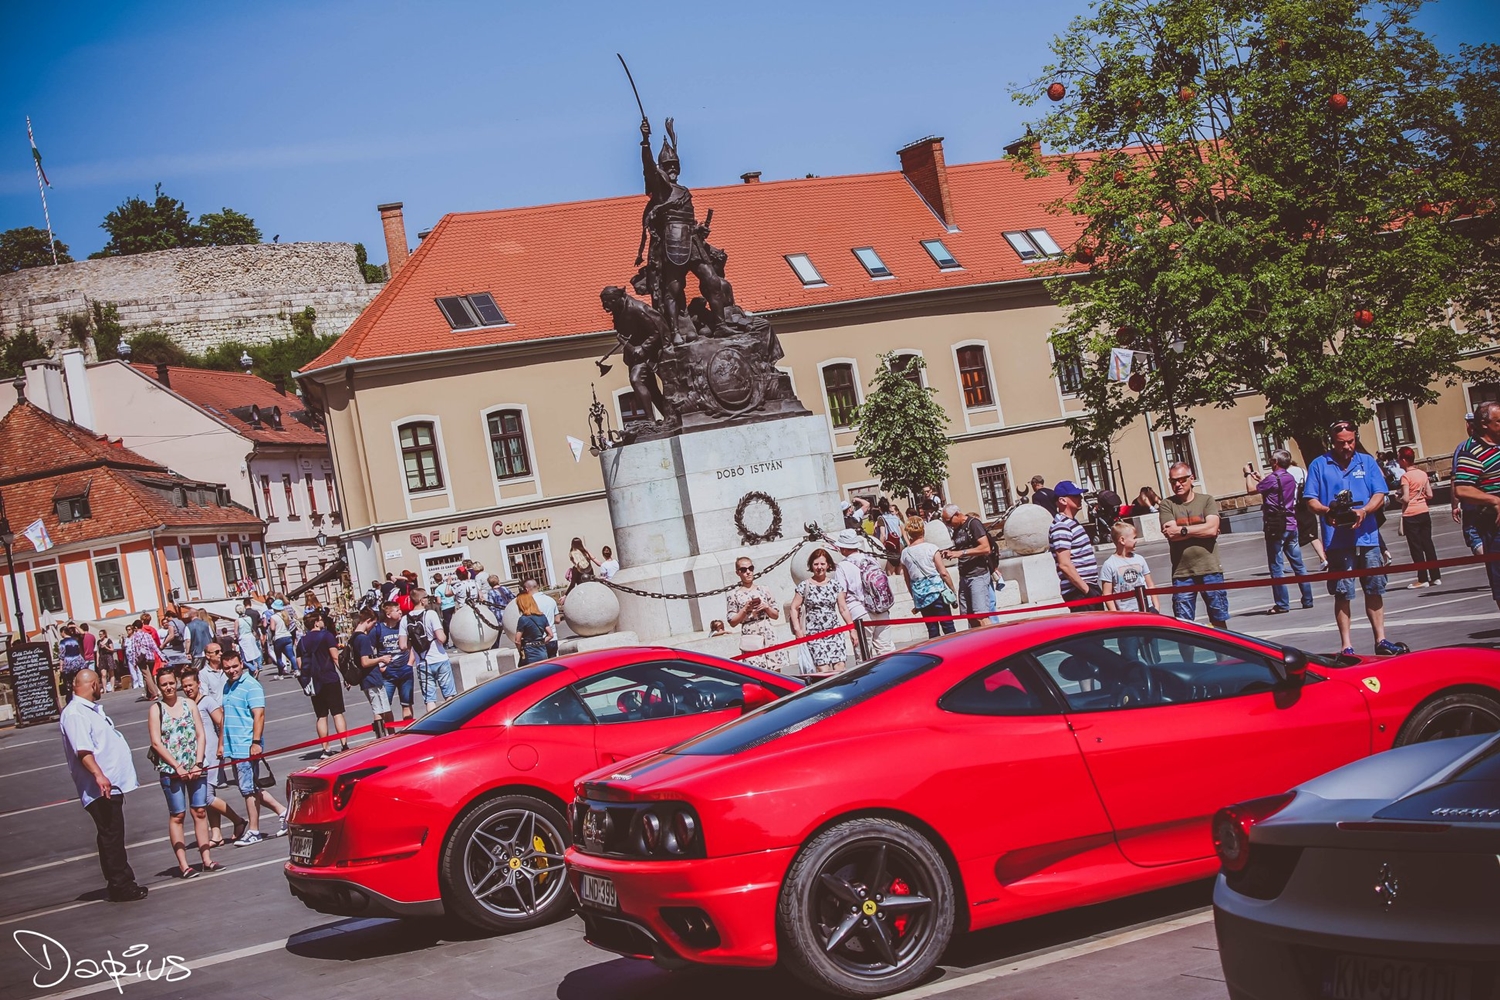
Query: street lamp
[[246, 361], [322, 539], [7, 538], [123, 350]]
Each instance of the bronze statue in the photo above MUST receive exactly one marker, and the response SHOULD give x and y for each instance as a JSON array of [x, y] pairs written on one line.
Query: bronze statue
[[642, 333], [678, 242]]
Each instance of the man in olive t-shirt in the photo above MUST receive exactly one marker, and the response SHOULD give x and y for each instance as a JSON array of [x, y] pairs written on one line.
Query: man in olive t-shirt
[[1190, 522]]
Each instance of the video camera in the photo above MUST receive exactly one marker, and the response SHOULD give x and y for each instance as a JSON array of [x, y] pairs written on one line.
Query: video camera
[[1341, 512]]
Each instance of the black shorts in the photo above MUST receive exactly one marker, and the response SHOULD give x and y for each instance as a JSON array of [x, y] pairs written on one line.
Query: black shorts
[[329, 700]]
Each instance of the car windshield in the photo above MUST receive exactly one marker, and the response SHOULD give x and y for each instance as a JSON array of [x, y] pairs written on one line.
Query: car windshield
[[813, 704], [460, 711], [1275, 648]]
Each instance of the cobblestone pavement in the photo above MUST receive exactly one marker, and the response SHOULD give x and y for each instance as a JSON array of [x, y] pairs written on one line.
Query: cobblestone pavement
[[242, 935]]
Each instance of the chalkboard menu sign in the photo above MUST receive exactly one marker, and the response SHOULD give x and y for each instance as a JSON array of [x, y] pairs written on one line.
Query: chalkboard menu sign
[[36, 690]]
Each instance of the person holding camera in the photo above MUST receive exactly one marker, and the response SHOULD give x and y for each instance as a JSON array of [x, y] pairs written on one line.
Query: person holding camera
[[1476, 482], [1345, 487], [1278, 491]]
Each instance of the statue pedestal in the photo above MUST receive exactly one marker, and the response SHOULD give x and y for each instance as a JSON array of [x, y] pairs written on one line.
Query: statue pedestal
[[672, 502]]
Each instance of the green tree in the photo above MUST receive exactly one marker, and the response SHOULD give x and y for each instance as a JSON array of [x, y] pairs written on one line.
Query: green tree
[[374, 273], [152, 347], [140, 226], [107, 330], [26, 246], [900, 428], [1270, 182], [24, 346], [225, 228]]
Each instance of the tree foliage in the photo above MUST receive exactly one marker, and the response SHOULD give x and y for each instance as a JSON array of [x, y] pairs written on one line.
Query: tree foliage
[[1254, 177], [20, 348], [374, 273], [226, 228], [26, 246], [901, 428], [140, 226]]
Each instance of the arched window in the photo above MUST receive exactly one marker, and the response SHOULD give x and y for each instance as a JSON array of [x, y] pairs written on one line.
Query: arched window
[[508, 444], [419, 457]]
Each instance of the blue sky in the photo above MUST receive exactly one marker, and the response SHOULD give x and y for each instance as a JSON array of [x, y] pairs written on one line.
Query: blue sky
[[307, 115]]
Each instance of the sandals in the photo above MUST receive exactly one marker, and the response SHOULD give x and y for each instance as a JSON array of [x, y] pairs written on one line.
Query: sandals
[[212, 866], [217, 840], [187, 873]]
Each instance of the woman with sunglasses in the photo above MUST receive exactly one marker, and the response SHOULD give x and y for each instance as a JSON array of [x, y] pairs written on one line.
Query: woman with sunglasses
[[752, 608]]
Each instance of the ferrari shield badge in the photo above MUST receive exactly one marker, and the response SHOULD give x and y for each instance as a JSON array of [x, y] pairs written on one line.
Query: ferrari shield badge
[[1373, 683]]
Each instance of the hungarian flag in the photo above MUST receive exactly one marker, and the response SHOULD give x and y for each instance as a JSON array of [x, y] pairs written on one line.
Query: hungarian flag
[[36, 154]]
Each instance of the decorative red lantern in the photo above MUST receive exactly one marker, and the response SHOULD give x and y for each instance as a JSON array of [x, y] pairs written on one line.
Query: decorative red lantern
[[1363, 317], [1083, 254], [1057, 91], [1282, 45], [1119, 177], [1426, 209], [1137, 382], [1185, 94], [1339, 102], [1125, 336]]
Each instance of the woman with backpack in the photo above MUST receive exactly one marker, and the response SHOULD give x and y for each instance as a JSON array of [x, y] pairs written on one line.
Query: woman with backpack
[[867, 593], [888, 534], [319, 676], [178, 746]]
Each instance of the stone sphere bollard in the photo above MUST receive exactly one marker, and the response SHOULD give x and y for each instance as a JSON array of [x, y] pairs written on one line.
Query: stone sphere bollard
[[470, 632], [798, 562], [509, 617], [938, 534], [591, 609], [1026, 529]]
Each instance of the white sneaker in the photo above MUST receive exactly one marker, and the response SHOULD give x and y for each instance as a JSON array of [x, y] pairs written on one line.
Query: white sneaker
[[1419, 585], [1437, 583], [249, 837], [282, 831]]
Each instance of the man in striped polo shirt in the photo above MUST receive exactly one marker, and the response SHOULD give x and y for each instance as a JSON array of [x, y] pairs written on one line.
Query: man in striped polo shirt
[[1476, 480], [1077, 569]]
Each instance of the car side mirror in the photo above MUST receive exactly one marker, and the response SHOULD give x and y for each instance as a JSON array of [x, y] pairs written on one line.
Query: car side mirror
[[754, 696], [1292, 666]]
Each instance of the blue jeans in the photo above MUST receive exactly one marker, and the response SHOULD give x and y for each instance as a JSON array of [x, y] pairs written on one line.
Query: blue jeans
[[1274, 550], [1185, 606], [436, 675], [284, 651], [936, 609], [1359, 557], [1472, 538]]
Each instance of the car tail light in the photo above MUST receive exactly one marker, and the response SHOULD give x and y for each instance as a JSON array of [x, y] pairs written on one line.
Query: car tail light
[[1231, 828], [343, 785]]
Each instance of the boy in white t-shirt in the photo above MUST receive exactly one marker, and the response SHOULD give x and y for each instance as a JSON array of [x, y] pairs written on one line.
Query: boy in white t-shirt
[[1124, 571]]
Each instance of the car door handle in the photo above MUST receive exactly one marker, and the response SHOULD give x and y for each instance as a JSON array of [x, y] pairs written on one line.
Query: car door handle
[[1080, 726]]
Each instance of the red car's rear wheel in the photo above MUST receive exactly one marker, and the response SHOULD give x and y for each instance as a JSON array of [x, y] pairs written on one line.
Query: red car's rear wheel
[[502, 867], [866, 909], [1462, 713]]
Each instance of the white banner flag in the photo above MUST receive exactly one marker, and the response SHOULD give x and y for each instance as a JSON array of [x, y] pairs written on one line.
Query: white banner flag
[[1120, 359], [36, 531], [576, 446]]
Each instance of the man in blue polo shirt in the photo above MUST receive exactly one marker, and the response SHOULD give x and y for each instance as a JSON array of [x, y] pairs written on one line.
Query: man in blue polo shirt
[[244, 736], [1351, 546]]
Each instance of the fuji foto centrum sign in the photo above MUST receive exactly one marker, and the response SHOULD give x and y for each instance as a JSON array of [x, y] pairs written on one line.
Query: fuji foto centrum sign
[[456, 535]]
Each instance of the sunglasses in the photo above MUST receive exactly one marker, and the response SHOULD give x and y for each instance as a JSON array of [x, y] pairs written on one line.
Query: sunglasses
[[1182, 479], [744, 569]]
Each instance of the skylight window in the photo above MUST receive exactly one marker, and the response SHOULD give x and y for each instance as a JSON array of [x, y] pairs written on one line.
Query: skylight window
[[1033, 244], [940, 255], [466, 312], [802, 265], [872, 262]]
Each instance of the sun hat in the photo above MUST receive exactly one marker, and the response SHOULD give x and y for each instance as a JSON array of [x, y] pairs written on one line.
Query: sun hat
[[278, 605], [847, 539]]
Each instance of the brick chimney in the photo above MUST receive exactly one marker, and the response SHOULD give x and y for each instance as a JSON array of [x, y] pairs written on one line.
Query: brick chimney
[[751, 177], [164, 375], [395, 236], [922, 163]]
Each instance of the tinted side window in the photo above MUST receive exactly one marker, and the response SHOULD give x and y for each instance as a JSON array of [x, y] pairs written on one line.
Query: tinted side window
[[1004, 688], [659, 690], [561, 708], [1149, 668]]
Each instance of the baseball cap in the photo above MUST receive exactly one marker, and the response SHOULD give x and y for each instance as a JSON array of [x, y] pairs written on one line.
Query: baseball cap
[[1068, 488]]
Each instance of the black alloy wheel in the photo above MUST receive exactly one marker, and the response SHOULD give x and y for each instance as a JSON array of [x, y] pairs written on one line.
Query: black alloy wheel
[[1462, 713], [866, 909], [502, 868]]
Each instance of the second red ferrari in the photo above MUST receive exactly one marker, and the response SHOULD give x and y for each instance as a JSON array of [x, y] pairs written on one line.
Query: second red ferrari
[[850, 830]]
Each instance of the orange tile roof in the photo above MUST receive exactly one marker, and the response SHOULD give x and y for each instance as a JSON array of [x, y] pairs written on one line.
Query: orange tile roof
[[43, 459], [545, 265], [220, 392]]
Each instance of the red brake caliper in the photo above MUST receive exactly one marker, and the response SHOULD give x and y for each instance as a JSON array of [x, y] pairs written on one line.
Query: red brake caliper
[[899, 888]]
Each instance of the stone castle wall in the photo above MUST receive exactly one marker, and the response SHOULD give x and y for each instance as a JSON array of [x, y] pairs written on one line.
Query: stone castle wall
[[199, 297]]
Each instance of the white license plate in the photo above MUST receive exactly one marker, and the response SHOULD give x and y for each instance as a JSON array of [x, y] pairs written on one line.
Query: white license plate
[[1359, 977], [302, 848], [598, 891]]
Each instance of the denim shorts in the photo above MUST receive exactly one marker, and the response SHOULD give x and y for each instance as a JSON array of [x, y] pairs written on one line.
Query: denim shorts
[[244, 773], [401, 687], [184, 792], [1359, 557], [1185, 606]]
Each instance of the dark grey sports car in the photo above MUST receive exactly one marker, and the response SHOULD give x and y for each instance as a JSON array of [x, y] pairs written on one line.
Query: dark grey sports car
[[1380, 879]]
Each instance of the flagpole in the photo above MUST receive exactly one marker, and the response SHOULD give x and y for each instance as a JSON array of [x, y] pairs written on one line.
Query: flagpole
[[41, 189]]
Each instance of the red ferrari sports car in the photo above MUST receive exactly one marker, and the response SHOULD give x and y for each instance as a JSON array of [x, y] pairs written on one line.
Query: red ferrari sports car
[[462, 812], [850, 830]]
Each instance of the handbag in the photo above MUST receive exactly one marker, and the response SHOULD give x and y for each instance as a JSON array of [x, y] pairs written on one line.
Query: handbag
[[267, 780], [750, 643], [927, 590], [805, 664]]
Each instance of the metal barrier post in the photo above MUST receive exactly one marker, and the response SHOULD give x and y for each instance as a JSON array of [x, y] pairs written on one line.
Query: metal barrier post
[[1140, 595], [862, 643]]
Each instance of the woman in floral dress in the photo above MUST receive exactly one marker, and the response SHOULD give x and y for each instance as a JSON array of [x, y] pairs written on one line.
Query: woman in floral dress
[[752, 607], [818, 606]]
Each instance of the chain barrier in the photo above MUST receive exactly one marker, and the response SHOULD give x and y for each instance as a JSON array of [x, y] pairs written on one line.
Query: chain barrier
[[657, 595]]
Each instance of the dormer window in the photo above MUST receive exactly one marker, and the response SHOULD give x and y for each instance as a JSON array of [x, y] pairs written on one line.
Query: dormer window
[[469, 312], [72, 509]]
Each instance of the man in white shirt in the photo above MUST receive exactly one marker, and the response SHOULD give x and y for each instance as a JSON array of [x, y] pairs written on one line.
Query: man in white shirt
[[850, 573], [548, 607], [433, 669], [99, 763]]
